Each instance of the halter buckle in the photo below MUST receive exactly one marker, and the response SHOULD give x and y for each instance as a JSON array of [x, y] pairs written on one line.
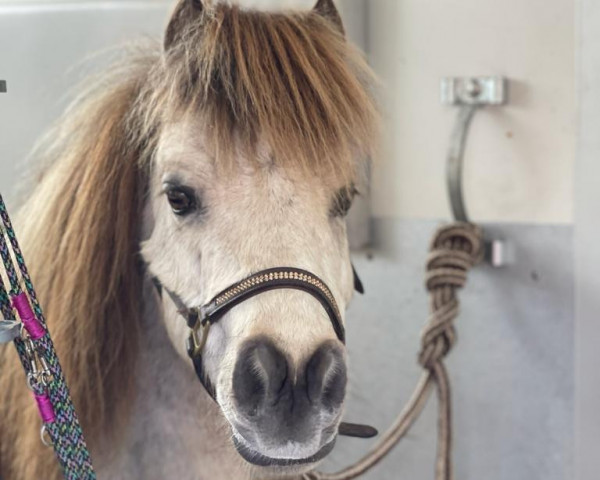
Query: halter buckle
[[198, 337]]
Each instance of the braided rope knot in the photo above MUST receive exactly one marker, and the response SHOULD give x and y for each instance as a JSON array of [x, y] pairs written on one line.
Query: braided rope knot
[[455, 249]]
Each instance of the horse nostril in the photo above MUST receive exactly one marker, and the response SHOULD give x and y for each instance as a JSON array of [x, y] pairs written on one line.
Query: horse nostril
[[259, 377], [326, 376]]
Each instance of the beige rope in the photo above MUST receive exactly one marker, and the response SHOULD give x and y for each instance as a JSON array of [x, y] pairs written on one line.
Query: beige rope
[[455, 249]]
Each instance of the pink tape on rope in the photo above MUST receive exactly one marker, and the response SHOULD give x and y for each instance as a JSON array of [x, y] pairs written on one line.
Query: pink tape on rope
[[23, 308], [45, 407]]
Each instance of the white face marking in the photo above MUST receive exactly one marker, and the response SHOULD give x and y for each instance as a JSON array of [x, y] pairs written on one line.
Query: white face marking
[[255, 218]]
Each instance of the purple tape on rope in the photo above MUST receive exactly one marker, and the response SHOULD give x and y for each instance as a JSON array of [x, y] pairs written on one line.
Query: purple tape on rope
[[33, 326], [45, 407]]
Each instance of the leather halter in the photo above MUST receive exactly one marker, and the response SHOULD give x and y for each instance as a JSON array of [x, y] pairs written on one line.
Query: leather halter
[[200, 319]]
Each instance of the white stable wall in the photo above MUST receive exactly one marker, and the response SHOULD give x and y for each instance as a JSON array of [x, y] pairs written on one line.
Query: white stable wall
[[45, 50], [519, 162]]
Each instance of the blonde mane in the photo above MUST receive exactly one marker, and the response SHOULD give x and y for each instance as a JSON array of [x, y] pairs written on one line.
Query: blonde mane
[[289, 80]]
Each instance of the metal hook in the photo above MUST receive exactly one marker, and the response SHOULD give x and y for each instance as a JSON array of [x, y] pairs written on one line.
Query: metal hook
[[470, 94]]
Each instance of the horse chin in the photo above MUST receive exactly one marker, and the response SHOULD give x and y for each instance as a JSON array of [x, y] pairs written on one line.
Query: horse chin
[[282, 466]]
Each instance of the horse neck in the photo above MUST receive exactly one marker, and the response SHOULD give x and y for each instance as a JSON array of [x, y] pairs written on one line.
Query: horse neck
[[176, 430]]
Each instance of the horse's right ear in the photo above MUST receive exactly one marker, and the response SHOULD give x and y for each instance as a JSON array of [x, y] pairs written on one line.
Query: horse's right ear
[[185, 11]]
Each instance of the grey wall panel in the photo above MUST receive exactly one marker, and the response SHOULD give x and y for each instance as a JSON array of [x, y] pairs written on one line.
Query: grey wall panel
[[587, 217], [512, 369]]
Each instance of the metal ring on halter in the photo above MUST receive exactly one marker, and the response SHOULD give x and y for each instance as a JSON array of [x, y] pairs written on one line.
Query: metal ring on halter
[[198, 338], [43, 434]]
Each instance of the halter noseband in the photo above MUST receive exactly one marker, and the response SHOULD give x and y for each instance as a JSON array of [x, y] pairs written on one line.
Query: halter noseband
[[200, 319]]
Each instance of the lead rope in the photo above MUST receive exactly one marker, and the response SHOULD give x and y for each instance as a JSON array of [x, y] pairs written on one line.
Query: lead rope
[[455, 249], [38, 356]]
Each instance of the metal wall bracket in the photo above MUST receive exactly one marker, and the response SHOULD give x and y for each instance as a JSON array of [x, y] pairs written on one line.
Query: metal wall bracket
[[2, 86], [470, 94]]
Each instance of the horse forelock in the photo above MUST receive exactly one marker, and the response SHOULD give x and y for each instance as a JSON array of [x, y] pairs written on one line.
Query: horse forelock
[[288, 80]]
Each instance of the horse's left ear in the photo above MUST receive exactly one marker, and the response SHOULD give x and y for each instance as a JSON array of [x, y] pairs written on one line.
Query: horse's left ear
[[328, 10], [185, 11]]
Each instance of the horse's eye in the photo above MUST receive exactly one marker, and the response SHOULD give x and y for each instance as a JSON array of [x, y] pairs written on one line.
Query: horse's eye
[[182, 200], [342, 202]]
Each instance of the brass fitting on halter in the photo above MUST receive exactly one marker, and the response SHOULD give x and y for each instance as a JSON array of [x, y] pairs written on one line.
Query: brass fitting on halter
[[198, 336]]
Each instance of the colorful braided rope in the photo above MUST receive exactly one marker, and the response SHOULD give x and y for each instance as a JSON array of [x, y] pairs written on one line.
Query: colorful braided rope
[[39, 359]]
